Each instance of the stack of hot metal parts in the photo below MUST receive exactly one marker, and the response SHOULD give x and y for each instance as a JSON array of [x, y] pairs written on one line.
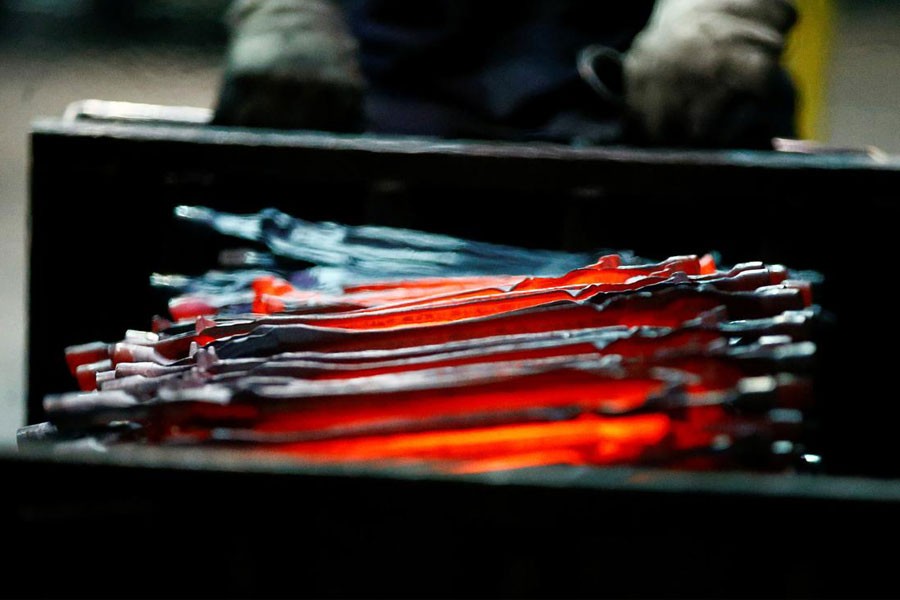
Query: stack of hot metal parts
[[676, 364]]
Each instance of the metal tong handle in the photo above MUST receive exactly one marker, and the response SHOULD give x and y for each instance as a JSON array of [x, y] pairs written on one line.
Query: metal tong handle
[[601, 67]]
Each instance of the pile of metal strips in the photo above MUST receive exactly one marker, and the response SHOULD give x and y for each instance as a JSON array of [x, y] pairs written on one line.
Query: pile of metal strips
[[678, 363]]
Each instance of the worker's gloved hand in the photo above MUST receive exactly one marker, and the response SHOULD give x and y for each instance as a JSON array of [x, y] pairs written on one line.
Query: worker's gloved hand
[[290, 64], [708, 73]]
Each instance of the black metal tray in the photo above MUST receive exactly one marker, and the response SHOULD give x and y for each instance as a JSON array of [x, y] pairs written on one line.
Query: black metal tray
[[102, 195], [166, 523], [103, 192]]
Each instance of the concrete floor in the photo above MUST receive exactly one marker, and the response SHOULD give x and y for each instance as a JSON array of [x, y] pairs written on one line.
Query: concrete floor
[[864, 80], [41, 71]]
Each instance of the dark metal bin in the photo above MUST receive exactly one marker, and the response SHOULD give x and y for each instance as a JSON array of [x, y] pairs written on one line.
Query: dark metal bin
[[101, 221]]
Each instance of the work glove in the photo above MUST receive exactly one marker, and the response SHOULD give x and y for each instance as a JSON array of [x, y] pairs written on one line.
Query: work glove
[[290, 64], [708, 73]]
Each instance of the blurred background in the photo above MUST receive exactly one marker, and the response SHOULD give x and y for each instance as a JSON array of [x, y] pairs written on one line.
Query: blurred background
[[845, 57]]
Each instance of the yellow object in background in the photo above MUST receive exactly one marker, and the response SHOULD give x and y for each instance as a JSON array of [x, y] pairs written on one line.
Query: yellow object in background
[[807, 59]]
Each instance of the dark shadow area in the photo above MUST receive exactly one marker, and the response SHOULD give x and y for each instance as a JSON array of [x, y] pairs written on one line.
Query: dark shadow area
[[68, 26]]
